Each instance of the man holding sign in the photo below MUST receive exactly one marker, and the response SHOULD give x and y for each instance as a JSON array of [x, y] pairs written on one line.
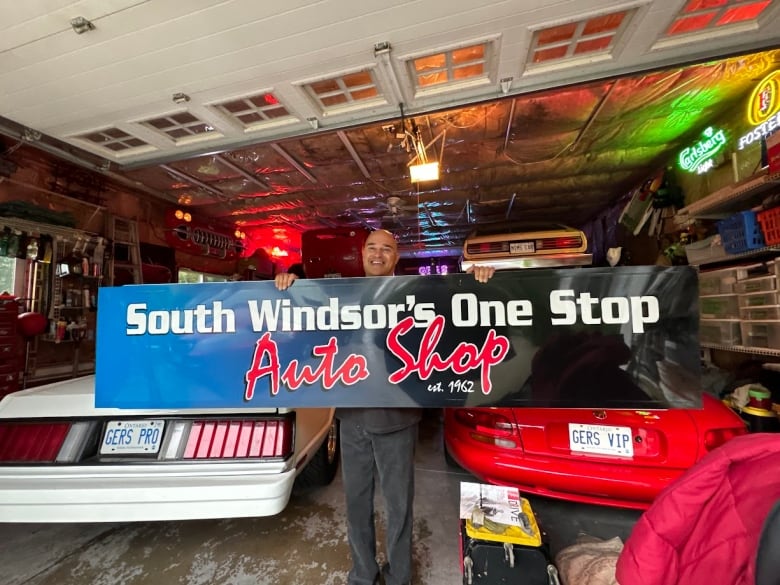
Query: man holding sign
[[384, 438]]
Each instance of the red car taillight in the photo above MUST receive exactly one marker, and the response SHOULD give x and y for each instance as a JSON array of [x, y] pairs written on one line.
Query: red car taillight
[[563, 243], [238, 439], [31, 442], [714, 438], [487, 248], [488, 426]]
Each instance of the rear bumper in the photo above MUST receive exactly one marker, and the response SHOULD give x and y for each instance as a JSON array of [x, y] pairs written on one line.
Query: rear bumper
[[573, 479], [143, 492], [536, 261]]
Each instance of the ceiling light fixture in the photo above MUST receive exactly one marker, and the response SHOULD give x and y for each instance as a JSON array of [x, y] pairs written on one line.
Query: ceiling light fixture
[[180, 98], [424, 172], [80, 25], [420, 168]]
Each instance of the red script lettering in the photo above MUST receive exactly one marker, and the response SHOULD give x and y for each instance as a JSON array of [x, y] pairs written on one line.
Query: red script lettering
[[464, 358], [352, 370]]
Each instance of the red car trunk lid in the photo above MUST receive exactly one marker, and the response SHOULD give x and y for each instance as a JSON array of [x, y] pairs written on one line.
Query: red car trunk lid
[[639, 437]]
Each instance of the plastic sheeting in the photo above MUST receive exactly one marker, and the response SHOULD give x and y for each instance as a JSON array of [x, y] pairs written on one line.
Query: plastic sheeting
[[567, 154]]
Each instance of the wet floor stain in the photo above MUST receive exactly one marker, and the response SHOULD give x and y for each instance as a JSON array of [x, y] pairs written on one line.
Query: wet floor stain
[[304, 545]]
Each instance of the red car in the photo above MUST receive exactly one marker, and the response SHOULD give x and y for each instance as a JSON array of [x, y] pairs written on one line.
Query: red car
[[611, 457]]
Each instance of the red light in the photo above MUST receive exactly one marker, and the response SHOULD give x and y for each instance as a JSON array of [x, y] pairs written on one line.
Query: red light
[[218, 440], [487, 248], [269, 440], [485, 421], [714, 438], [559, 243], [232, 439], [270, 99], [24, 442]]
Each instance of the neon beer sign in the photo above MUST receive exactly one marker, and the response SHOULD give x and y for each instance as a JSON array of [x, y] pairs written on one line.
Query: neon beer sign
[[763, 112], [698, 158]]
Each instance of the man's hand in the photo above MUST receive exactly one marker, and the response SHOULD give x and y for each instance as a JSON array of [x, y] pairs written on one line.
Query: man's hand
[[284, 280], [481, 273]]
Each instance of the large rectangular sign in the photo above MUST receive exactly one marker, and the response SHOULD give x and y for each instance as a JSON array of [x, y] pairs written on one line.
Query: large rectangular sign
[[589, 337]]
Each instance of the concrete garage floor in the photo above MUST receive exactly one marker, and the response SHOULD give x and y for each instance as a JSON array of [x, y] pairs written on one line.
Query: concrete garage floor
[[305, 545]]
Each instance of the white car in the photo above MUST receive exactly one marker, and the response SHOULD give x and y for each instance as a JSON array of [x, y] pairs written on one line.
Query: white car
[[63, 460], [510, 245]]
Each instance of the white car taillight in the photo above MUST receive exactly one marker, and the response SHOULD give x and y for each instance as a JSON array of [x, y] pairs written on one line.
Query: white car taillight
[[237, 439]]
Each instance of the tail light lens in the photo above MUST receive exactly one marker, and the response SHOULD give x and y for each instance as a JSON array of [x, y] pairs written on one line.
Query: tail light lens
[[31, 442], [487, 248], [235, 439], [714, 438], [489, 426], [563, 243], [66, 442]]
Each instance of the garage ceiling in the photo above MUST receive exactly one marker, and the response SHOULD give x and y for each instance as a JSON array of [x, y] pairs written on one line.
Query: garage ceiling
[[282, 118]]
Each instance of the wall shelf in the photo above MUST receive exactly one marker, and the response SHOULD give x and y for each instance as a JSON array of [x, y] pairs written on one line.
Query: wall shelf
[[729, 199], [743, 349], [768, 250]]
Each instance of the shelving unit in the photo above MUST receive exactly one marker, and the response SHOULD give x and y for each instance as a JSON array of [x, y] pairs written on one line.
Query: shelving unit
[[743, 349], [720, 204], [730, 258], [728, 200]]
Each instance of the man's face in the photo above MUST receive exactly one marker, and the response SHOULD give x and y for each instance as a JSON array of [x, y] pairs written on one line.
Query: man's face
[[380, 254]]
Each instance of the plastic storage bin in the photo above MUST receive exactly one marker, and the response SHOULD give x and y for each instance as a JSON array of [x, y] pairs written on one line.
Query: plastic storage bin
[[751, 285], [720, 332], [704, 251], [761, 334], [754, 270], [719, 307], [714, 282], [724, 280], [760, 313], [741, 232], [759, 299], [769, 220]]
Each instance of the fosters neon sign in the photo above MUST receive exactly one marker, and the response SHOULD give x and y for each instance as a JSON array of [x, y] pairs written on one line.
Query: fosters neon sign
[[763, 111], [698, 157]]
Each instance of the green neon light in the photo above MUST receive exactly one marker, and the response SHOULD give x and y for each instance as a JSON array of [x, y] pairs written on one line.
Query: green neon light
[[697, 158]]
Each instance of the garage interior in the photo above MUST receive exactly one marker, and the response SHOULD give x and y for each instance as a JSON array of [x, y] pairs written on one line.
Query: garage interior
[[262, 123]]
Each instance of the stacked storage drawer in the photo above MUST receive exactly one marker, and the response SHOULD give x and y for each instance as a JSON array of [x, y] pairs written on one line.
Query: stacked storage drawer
[[9, 346], [759, 308], [719, 303]]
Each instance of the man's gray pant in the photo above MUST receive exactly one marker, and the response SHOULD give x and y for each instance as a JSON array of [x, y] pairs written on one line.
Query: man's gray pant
[[393, 454]]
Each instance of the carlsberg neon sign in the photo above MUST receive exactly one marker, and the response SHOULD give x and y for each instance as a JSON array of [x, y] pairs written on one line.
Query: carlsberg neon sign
[[698, 157]]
